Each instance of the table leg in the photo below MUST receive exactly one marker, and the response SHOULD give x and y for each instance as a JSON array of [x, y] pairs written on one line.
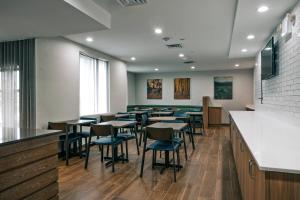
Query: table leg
[[67, 145]]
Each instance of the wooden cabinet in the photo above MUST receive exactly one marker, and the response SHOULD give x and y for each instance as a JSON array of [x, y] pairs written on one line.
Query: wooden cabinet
[[214, 115], [256, 184]]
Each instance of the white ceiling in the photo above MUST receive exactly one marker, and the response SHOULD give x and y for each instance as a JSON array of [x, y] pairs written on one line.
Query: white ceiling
[[214, 30], [20, 19], [248, 21]]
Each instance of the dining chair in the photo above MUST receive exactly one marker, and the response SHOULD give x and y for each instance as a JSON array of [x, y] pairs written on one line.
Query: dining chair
[[132, 135], [179, 139], [107, 118], [163, 141], [143, 123], [106, 138], [67, 139]]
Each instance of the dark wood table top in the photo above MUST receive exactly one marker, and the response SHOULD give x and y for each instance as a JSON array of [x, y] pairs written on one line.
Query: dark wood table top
[[79, 122], [116, 115], [138, 112], [175, 126], [156, 119], [162, 113], [194, 113], [118, 124]]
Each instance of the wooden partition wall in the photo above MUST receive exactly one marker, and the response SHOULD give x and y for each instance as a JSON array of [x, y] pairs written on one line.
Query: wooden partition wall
[[205, 104]]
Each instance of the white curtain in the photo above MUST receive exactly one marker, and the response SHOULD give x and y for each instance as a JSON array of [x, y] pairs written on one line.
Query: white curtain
[[93, 86], [9, 97], [103, 87]]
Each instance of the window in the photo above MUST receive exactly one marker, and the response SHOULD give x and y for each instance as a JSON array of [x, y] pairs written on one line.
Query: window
[[10, 98], [93, 86]]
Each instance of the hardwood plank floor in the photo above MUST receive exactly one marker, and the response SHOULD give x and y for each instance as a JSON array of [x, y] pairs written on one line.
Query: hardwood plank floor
[[208, 174]]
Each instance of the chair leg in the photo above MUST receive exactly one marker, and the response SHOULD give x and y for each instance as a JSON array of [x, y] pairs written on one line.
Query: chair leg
[[101, 147], [143, 159], [136, 141], [126, 146], [153, 155], [107, 150], [141, 136], [178, 159], [184, 144], [113, 157], [174, 166], [87, 156], [80, 147]]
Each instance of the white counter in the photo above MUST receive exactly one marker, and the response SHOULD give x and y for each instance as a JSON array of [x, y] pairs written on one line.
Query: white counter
[[274, 144]]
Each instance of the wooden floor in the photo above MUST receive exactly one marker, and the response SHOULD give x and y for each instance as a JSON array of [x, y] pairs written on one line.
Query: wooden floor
[[209, 173]]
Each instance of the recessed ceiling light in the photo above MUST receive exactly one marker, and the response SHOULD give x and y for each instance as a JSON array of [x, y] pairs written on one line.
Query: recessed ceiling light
[[158, 31], [244, 50], [263, 9], [193, 67], [133, 58], [181, 55], [89, 39], [268, 48], [236, 65], [156, 69], [250, 37]]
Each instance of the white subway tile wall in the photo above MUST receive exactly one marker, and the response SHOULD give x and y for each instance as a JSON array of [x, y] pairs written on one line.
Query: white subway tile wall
[[282, 93]]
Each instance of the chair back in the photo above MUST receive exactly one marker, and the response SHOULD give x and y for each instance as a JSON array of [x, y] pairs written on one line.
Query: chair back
[[106, 118], [57, 126], [101, 130], [161, 134]]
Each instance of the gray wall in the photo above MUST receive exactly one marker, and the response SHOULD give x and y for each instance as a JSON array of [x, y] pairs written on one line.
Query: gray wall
[[282, 93], [57, 61], [202, 84], [131, 88]]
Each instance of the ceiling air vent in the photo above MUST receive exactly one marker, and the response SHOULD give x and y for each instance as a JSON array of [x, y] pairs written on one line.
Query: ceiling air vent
[[172, 46], [126, 3], [189, 62]]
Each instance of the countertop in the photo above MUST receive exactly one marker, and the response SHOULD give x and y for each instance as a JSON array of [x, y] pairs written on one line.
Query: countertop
[[14, 135], [274, 143]]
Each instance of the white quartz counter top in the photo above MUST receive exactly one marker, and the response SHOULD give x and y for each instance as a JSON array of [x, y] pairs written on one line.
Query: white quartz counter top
[[274, 143]]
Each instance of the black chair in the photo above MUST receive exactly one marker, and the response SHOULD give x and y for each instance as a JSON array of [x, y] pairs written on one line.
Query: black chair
[[164, 141], [178, 139], [67, 139], [132, 135], [106, 137]]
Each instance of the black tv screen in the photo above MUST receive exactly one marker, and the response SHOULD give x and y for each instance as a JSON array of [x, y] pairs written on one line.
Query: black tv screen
[[268, 64]]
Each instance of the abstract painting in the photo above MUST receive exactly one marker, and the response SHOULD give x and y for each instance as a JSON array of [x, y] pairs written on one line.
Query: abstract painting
[[154, 89], [223, 87], [182, 88]]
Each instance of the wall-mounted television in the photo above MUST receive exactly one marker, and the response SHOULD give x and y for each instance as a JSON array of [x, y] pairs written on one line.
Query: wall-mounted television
[[268, 61]]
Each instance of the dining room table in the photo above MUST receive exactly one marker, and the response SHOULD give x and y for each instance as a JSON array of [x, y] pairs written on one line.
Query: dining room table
[[193, 115], [116, 125], [74, 123], [162, 113], [177, 127]]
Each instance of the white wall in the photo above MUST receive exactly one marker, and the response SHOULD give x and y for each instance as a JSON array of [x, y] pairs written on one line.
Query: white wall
[[282, 93], [202, 84], [131, 88], [57, 61]]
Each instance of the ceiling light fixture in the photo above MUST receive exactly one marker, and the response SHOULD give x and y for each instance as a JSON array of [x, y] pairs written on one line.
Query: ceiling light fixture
[[193, 67], [236, 65], [133, 58], [250, 37], [156, 69], [263, 9], [181, 55], [158, 31], [89, 39], [244, 50]]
